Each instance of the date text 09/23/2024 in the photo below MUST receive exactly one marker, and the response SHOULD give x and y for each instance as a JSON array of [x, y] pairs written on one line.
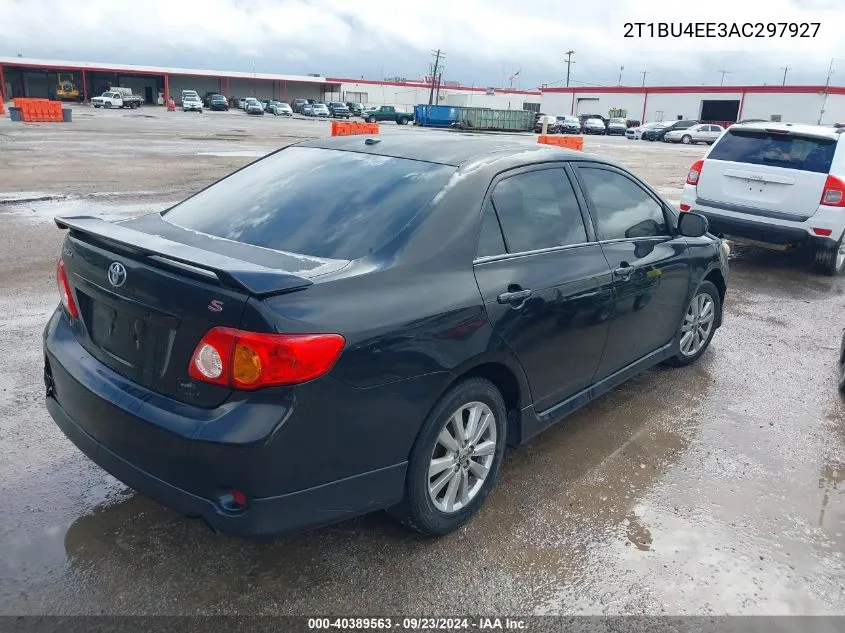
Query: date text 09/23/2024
[[721, 30], [416, 624]]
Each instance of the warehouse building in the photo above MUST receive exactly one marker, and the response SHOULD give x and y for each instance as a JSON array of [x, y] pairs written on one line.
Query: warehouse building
[[22, 77], [405, 95], [723, 104]]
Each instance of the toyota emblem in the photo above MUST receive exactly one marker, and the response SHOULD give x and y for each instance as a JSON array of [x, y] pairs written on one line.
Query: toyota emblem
[[117, 274]]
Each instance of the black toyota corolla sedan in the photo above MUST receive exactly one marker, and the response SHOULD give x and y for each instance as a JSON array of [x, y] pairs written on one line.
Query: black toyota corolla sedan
[[357, 323]]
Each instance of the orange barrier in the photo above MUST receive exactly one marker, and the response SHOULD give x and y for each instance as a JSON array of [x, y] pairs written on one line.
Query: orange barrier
[[39, 110], [562, 140], [2, 109], [350, 128]]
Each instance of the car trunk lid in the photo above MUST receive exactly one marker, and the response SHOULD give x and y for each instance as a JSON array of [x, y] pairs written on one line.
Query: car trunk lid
[[148, 291], [770, 170]]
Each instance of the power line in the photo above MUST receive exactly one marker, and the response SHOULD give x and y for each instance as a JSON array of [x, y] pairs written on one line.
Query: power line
[[437, 55], [784, 69], [569, 63]]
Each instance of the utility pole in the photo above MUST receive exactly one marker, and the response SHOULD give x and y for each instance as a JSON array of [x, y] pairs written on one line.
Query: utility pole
[[621, 68], [643, 73], [437, 55], [826, 86], [784, 69], [569, 63], [437, 94], [724, 72]]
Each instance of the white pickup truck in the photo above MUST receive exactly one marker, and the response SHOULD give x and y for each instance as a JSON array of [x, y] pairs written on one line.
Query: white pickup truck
[[117, 98]]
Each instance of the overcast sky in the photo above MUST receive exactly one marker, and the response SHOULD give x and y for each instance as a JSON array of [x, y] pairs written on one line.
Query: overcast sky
[[485, 41]]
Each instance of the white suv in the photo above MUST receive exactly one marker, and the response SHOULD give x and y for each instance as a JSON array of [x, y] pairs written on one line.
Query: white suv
[[775, 183]]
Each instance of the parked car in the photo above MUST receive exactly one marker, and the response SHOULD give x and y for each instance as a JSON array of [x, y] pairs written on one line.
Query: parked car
[[569, 124], [253, 106], [297, 104], [339, 110], [271, 403], [652, 132], [319, 110], [549, 121], [584, 117], [305, 109], [355, 108], [660, 134], [280, 108], [617, 126], [842, 364], [191, 103], [218, 102], [632, 123], [116, 99], [701, 133], [594, 126], [636, 133], [206, 100], [775, 183], [388, 113]]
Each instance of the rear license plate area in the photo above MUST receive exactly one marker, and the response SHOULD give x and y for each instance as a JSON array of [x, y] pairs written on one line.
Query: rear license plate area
[[126, 337]]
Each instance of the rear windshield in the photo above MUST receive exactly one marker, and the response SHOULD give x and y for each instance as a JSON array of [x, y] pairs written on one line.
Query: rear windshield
[[758, 147], [318, 202]]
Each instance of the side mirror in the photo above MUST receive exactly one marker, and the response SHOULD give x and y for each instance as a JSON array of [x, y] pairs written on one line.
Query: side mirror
[[692, 224]]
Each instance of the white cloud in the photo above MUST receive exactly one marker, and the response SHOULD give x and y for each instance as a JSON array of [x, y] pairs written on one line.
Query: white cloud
[[335, 36]]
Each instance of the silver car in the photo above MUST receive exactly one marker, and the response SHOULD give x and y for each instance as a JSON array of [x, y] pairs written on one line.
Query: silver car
[[319, 109], [253, 106], [701, 133]]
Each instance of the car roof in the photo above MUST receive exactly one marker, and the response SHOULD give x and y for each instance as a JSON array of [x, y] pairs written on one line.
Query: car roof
[[795, 128], [446, 148]]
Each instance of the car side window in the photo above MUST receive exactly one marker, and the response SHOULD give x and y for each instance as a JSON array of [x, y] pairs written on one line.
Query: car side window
[[490, 240], [623, 209], [538, 209]]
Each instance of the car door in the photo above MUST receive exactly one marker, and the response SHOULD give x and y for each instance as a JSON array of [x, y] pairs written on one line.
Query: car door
[[648, 259], [545, 282]]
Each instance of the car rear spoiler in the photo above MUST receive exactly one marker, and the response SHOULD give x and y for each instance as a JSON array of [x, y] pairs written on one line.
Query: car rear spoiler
[[235, 273]]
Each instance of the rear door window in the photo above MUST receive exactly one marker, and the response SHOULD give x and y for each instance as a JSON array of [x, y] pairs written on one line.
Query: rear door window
[[318, 202], [538, 209], [759, 147]]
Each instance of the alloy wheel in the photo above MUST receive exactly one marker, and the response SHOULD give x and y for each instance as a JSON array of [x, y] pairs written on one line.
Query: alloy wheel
[[698, 323], [840, 255], [462, 457]]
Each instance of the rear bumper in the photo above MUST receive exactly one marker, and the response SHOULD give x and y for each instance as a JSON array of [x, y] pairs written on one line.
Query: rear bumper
[[304, 457], [299, 510], [768, 227]]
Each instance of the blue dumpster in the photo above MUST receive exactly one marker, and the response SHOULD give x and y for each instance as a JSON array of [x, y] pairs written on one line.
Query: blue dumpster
[[436, 115], [15, 114]]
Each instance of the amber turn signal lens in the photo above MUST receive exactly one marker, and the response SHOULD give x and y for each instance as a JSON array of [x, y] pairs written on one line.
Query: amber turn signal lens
[[246, 365]]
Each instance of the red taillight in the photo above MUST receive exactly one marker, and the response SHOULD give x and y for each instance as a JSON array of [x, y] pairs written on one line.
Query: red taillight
[[64, 289], [823, 232], [251, 360], [695, 172], [834, 192], [684, 207]]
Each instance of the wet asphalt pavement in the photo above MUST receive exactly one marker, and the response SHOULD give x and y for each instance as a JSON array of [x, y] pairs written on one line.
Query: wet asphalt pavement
[[717, 488]]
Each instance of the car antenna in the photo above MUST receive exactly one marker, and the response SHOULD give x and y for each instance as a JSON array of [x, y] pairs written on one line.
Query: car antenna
[[372, 141]]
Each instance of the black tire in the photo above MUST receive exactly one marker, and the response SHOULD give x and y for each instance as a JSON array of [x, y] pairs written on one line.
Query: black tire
[[416, 510], [107, 105], [842, 365], [831, 261], [371, 119], [686, 139], [403, 121], [681, 359]]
